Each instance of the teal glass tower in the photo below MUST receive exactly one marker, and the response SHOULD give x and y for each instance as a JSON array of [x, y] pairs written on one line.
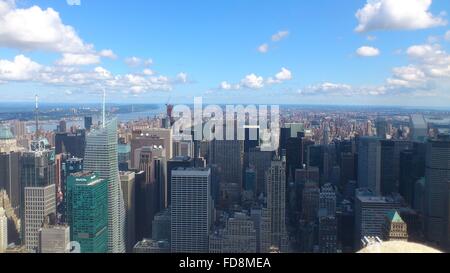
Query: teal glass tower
[[87, 199]]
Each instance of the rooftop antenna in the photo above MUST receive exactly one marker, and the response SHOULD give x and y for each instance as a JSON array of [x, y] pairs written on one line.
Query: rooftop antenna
[[104, 109], [36, 113]]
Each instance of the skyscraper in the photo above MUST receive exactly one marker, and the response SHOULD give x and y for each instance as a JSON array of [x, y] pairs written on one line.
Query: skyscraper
[[276, 203], [260, 161], [370, 212], [390, 164], [71, 143], [369, 163], [3, 230], [87, 198], [54, 238], [127, 179], [40, 201], [191, 208], [437, 191], [102, 158]]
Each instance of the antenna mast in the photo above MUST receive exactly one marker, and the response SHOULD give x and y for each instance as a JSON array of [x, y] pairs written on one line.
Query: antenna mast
[[104, 109], [36, 113]]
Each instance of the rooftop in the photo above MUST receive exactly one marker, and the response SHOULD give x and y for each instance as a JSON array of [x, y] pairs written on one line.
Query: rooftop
[[5, 133]]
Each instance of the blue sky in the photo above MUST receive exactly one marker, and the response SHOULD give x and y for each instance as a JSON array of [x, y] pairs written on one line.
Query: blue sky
[[210, 49]]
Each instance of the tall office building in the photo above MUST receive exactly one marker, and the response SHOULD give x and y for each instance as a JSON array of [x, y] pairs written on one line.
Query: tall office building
[[3, 230], [87, 199], [262, 225], [260, 161], [127, 179], [40, 201], [191, 208], [276, 203], [175, 163], [102, 158], [10, 178], [382, 127], [88, 123], [327, 232], [390, 164], [71, 143], [411, 169], [370, 212], [369, 158], [149, 138], [327, 199], [419, 128], [8, 142], [437, 191], [238, 236], [310, 201], [228, 155], [54, 238]]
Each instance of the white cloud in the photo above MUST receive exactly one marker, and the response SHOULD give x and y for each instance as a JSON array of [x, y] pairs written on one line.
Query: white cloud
[[280, 35], [264, 48], [447, 35], [70, 59], [20, 69], [280, 77], [148, 72], [182, 77], [37, 29], [368, 51], [108, 53], [397, 15], [327, 88], [135, 61], [371, 38], [252, 81], [73, 2]]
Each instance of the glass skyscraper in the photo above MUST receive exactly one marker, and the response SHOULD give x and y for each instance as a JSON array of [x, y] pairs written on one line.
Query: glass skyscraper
[[87, 199], [102, 158]]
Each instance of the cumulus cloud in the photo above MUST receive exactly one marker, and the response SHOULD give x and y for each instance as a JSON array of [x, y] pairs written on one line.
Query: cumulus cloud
[[368, 51], [447, 35], [280, 77], [252, 81], [277, 37], [397, 15], [37, 29], [255, 82], [136, 61], [78, 59], [73, 2], [108, 53], [20, 69], [264, 48], [280, 35], [25, 70]]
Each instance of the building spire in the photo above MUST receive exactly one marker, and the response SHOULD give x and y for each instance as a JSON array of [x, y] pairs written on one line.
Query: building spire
[[104, 109], [36, 113]]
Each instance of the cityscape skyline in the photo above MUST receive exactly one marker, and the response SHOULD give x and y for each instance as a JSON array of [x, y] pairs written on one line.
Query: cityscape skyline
[[381, 52]]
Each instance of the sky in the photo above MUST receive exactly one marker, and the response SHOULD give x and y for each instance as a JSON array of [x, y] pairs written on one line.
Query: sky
[[360, 52]]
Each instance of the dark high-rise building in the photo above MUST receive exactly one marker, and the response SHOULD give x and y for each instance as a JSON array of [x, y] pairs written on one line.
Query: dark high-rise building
[[412, 168], [88, 123], [62, 128], [347, 164], [71, 143], [369, 156], [437, 191], [260, 161], [143, 226], [124, 153], [10, 178], [390, 161]]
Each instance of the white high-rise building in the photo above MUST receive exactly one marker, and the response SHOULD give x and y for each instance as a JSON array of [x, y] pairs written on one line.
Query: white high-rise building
[[39, 203], [191, 210], [3, 231], [101, 157]]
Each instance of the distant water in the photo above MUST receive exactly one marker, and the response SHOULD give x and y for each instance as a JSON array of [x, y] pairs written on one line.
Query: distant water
[[53, 124]]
